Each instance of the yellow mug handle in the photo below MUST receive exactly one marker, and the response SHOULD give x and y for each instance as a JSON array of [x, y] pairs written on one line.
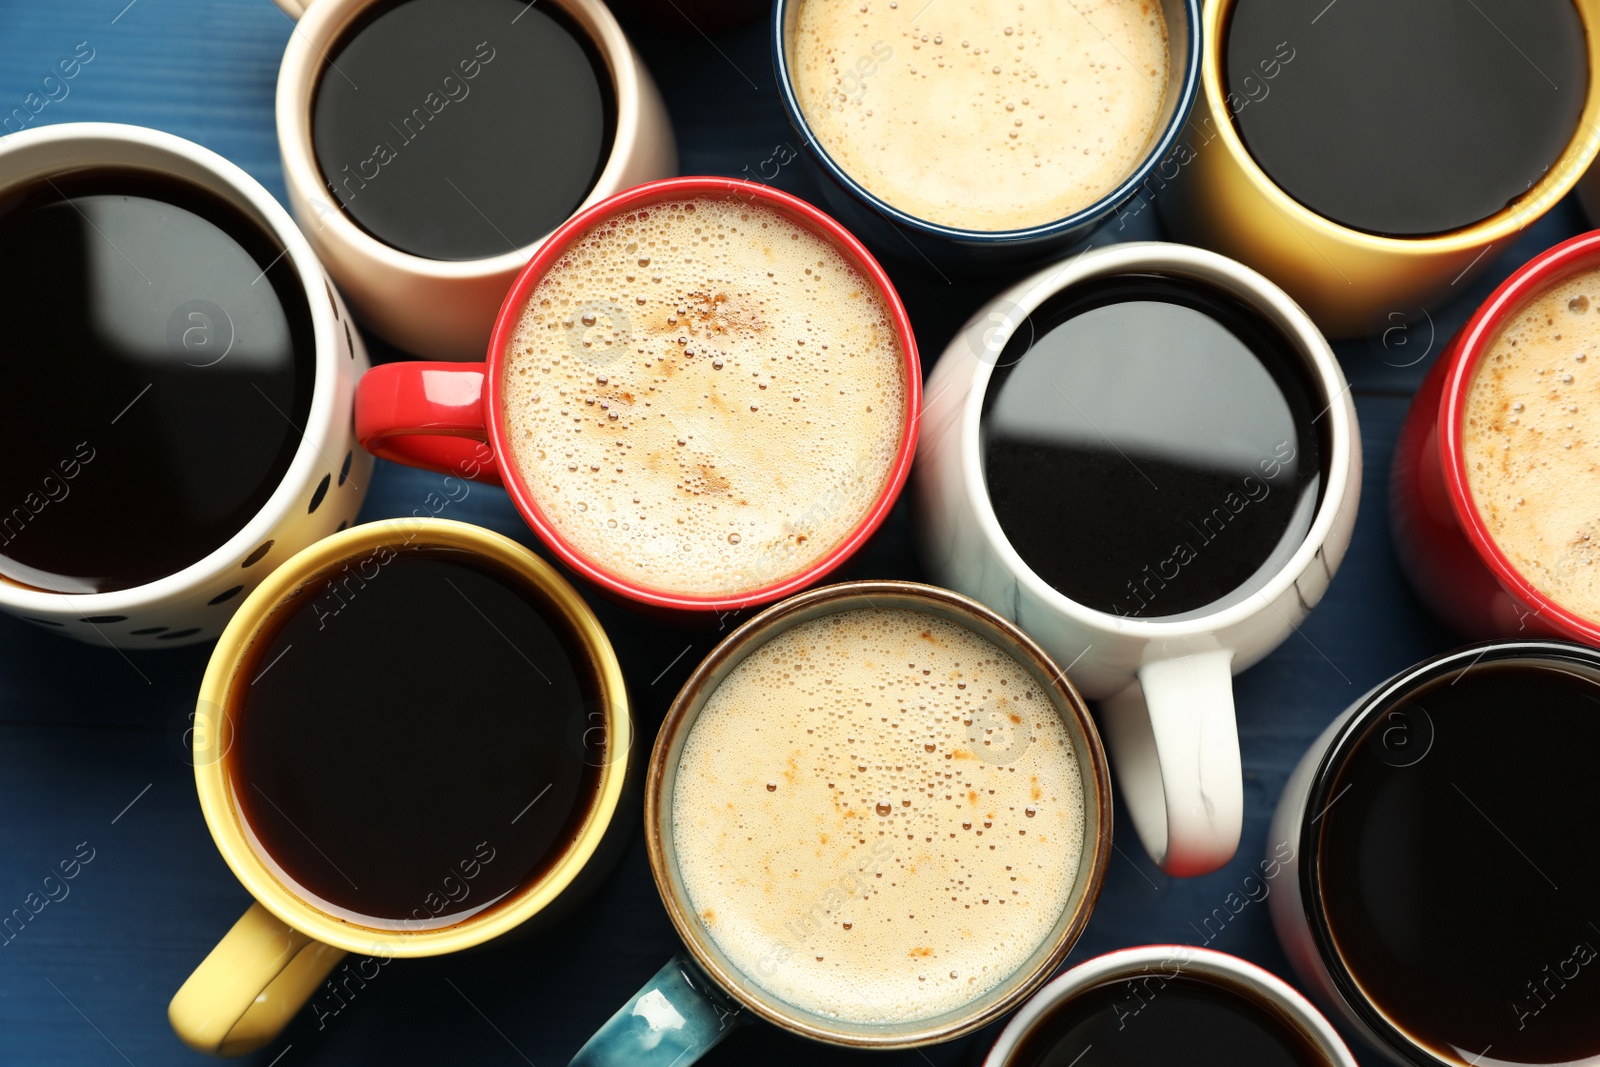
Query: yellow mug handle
[[248, 988]]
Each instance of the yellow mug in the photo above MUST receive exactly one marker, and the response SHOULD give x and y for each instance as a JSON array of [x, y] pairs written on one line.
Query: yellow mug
[[277, 956], [1213, 193]]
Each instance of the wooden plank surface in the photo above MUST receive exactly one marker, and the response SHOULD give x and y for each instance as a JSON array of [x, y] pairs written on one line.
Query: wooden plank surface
[[84, 732]]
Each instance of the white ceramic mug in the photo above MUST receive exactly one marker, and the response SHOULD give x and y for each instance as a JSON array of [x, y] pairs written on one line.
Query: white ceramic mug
[[326, 481], [1165, 684], [444, 309], [1146, 968]]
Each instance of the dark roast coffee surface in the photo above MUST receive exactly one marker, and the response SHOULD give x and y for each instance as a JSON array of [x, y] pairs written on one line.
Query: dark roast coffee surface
[[1460, 884], [411, 747], [159, 359], [1149, 448], [1406, 117], [460, 129], [1158, 1020]]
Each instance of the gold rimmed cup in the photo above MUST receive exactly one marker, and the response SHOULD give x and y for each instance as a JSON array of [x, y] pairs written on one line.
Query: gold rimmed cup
[[700, 995], [275, 957]]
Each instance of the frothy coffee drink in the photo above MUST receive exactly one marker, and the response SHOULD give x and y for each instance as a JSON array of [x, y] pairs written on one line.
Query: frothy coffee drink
[[704, 397], [1532, 442], [878, 816], [983, 114]]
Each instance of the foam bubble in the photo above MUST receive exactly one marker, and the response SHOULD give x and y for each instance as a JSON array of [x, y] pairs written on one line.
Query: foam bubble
[[704, 397], [926, 826], [1530, 442], [983, 114]]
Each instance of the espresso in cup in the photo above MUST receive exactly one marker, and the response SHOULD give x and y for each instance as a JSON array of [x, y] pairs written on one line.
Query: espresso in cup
[[980, 115], [1405, 118], [462, 129], [160, 366], [705, 397], [1451, 898], [409, 749], [1529, 440], [878, 816], [1150, 446]]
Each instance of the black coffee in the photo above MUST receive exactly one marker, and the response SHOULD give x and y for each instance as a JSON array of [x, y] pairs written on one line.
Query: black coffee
[[459, 129], [1149, 447], [1406, 117], [1158, 1021], [1454, 865], [409, 748], [159, 359]]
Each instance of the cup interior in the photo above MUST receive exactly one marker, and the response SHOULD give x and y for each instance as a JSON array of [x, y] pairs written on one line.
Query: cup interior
[[1270, 311], [648, 195], [606, 742], [329, 24], [830, 600], [1183, 80], [69, 147], [1558, 180], [1144, 971], [1549, 269], [1385, 723]]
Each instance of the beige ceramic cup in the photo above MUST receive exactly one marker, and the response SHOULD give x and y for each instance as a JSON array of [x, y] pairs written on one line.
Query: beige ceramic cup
[[443, 309]]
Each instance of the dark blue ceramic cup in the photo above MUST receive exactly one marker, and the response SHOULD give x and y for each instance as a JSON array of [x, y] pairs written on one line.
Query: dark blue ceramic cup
[[893, 233]]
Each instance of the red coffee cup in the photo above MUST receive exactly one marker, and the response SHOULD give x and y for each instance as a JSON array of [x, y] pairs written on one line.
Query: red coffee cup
[[1442, 540], [448, 417]]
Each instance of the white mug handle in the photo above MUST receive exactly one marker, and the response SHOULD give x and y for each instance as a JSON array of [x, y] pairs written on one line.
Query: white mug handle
[[293, 8], [1175, 747]]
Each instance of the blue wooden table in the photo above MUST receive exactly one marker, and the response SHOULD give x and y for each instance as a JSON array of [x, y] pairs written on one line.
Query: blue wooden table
[[90, 739]]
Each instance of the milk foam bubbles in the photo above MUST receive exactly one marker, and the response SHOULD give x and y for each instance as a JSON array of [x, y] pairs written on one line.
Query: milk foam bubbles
[[1531, 441], [983, 114], [878, 816], [704, 397]]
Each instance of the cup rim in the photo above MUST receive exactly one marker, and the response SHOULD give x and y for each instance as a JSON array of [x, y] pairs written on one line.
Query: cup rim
[[732, 650], [685, 188], [1559, 180], [300, 70], [231, 183], [212, 711], [1534, 277], [1155, 154], [1122, 963], [1335, 751], [1208, 268]]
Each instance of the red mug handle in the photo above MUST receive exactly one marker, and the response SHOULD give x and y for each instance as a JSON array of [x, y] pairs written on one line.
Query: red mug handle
[[427, 415]]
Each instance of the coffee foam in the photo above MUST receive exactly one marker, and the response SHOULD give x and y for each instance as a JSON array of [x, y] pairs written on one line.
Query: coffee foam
[[1531, 442], [705, 397], [983, 114], [878, 816]]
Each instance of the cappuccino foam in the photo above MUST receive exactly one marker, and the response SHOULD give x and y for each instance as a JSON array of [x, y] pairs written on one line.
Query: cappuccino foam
[[983, 114], [1531, 442], [704, 397], [878, 816]]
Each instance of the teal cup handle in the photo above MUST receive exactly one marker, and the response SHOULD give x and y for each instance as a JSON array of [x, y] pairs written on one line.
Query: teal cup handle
[[677, 1017]]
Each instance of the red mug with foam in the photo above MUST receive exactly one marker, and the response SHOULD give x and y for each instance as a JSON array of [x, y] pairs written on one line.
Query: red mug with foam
[[451, 418], [1442, 539]]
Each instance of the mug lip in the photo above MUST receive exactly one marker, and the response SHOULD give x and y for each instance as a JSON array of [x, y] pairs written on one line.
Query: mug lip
[[751, 635], [1544, 271], [1224, 967], [1206, 267], [1335, 753], [1557, 182], [687, 188], [304, 58], [1155, 154], [231, 183], [227, 822]]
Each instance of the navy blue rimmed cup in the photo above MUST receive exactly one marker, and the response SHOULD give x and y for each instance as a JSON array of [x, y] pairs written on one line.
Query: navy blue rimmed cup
[[893, 233]]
